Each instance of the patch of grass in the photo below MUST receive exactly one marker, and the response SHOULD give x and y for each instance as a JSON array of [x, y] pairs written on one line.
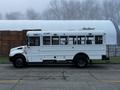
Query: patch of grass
[[113, 60], [4, 60]]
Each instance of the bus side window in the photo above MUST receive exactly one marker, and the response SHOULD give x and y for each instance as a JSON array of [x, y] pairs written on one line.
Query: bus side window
[[46, 40], [55, 40], [63, 40], [34, 41], [72, 40], [99, 39], [81, 39], [89, 39]]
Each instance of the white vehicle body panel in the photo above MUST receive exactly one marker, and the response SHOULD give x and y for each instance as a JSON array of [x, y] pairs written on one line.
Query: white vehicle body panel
[[63, 52], [60, 52], [38, 54]]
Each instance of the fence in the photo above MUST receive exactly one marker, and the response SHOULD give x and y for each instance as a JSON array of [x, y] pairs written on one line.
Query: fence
[[113, 50]]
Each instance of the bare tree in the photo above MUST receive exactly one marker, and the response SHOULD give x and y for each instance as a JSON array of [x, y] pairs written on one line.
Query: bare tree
[[54, 11], [14, 16], [111, 10], [73, 10], [91, 9], [69, 9], [32, 14], [62, 9]]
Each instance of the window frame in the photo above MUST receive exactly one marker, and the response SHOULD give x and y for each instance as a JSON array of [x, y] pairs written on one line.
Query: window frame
[[74, 39], [90, 41], [65, 42], [100, 40], [34, 42], [79, 42], [46, 40], [58, 41]]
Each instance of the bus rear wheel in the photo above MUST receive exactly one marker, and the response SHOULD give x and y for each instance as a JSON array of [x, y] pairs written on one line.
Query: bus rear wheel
[[81, 61], [19, 62]]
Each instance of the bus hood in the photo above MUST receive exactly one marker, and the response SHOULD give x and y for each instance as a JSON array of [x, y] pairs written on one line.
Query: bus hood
[[17, 48]]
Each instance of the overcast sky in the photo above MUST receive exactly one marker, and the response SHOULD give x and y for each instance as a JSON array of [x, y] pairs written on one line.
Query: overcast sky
[[22, 5]]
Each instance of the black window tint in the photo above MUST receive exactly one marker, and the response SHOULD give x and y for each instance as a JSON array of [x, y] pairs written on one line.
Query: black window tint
[[81, 39], [46, 40], [72, 40], [99, 39], [55, 40], [34, 41], [89, 39], [63, 40]]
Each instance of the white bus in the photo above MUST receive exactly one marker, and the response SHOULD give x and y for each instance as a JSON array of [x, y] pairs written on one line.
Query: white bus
[[78, 47]]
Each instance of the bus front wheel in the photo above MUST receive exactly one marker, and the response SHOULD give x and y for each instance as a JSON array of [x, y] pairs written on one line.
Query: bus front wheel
[[19, 62], [81, 61]]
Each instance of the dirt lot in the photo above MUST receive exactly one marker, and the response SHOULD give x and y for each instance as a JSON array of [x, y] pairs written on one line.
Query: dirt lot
[[60, 77]]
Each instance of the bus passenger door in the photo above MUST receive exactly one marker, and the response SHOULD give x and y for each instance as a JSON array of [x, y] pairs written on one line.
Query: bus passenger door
[[33, 49]]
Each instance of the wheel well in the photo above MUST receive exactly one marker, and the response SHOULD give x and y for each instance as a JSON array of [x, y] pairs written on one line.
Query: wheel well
[[19, 55], [81, 54]]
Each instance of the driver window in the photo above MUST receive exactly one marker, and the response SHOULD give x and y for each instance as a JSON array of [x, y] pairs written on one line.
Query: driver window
[[34, 41]]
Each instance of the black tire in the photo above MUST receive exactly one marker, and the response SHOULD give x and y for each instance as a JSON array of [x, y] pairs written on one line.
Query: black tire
[[81, 61], [19, 62]]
